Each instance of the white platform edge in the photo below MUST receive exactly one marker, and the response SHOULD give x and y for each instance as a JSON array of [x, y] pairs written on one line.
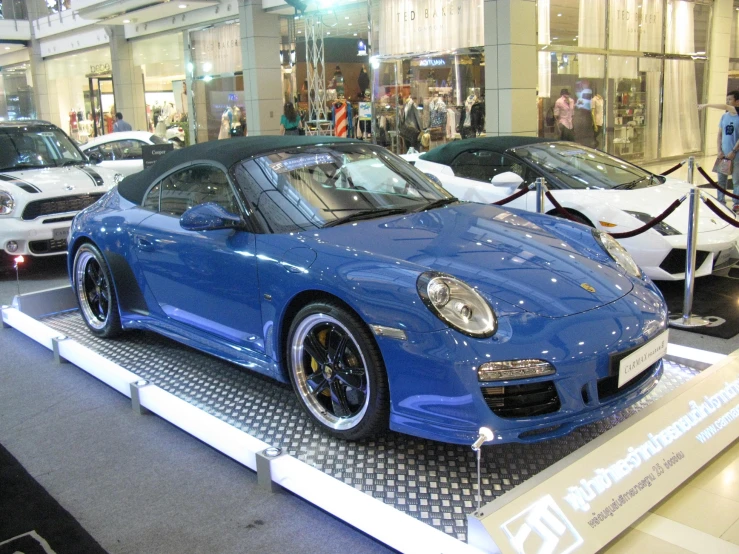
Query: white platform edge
[[370, 515]]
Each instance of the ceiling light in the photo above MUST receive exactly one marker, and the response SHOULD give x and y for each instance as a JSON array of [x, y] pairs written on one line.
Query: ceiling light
[[126, 21], [346, 17], [328, 32], [182, 6], [355, 34], [350, 24], [559, 15], [7, 47]]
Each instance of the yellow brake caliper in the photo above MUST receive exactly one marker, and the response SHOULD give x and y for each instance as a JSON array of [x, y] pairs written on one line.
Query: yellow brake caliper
[[323, 339]]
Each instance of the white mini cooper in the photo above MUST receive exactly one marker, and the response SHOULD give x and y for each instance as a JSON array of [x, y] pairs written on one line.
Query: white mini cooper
[[44, 181]]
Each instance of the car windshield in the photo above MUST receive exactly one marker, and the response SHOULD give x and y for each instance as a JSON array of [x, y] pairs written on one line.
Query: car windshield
[[37, 148], [157, 140], [580, 167], [320, 186]]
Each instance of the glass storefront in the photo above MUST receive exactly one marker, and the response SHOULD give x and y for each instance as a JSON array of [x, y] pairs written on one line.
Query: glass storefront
[[447, 92], [428, 72], [16, 93], [161, 61], [83, 85], [584, 51], [218, 82]]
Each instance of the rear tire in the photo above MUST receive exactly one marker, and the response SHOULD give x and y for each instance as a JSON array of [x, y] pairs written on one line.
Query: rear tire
[[95, 292], [337, 371]]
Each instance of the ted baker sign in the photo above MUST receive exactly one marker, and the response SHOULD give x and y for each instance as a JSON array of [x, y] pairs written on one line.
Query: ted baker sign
[[415, 26]]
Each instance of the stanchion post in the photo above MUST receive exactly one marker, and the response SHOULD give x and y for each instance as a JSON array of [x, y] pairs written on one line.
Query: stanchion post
[[688, 319], [691, 172], [541, 189]]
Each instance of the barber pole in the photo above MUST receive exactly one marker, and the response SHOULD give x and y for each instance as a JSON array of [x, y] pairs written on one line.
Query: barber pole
[[340, 124]]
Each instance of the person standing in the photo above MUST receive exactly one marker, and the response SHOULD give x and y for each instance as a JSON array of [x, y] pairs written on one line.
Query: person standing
[[596, 105], [564, 110], [728, 143], [120, 125], [290, 120]]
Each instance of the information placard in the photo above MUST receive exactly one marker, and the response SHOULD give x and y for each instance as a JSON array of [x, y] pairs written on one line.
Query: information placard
[[152, 152], [590, 497]]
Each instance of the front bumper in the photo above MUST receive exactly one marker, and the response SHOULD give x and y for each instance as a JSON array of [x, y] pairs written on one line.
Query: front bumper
[[40, 237], [663, 257], [436, 393]]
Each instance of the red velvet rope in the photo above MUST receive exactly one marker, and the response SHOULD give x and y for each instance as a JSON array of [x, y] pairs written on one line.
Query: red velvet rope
[[714, 184], [656, 221], [674, 168], [562, 211], [511, 198], [715, 209]]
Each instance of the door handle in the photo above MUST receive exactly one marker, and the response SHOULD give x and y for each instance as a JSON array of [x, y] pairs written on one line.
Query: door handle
[[144, 244]]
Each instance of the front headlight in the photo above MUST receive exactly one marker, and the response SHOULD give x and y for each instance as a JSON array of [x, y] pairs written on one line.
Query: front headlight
[[662, 228], [117, 178], [618, 253], [457, 304], [7, 203]]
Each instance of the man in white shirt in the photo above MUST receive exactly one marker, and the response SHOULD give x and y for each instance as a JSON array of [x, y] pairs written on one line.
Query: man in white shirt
[[564, 109]]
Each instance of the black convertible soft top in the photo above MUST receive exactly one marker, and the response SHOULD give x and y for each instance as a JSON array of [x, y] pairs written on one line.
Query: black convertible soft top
[[226, 152], [445, 154]]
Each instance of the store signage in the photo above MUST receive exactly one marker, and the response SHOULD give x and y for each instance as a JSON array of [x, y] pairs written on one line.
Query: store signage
[[217, 50], [588, 498], [152, 152], [414, 26], [100, 69], [432, 62]]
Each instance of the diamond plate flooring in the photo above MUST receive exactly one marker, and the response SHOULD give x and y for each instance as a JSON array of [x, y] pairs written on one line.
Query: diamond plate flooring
[[431, 481]]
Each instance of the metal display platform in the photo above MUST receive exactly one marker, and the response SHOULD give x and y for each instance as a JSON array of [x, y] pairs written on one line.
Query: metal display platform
[[430, 481]]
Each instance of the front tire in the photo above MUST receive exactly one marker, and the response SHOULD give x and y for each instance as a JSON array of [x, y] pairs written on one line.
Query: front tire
[[337, 371], [95, 292]]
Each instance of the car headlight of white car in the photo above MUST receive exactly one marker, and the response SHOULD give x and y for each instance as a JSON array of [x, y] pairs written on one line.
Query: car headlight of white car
[[662, 228], [618, 253], [117, 178], [457, 304], [7, 202]]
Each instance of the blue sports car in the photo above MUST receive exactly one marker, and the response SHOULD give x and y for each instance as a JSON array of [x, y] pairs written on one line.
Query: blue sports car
[[336, 266]]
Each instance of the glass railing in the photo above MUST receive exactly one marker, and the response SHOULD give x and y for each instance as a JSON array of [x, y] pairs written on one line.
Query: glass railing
[[13, 9]]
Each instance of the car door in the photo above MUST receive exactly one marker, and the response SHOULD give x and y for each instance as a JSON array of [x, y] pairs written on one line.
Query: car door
[[474, 171], [205, 280], [123, 156]]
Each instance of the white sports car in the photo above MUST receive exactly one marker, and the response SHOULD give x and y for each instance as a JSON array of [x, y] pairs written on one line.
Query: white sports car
[[121, 151], [44, 181], [601, 190]]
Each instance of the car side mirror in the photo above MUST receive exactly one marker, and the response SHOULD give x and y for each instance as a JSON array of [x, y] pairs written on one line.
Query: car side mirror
[[507, 179], [208, 217], [95, 157]]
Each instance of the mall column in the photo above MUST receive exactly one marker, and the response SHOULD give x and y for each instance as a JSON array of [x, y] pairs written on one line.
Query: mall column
[[718, 68], [128, 80], [260, 46], [46, 105], [510, 67]]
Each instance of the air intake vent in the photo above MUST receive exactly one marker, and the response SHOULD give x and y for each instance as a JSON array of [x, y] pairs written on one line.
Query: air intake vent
[[522, 400]]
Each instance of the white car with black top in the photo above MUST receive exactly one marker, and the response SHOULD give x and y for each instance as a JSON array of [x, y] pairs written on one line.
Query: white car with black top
[[44, 181]]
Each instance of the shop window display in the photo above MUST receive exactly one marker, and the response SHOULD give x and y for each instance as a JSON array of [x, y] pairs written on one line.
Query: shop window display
[[16, 93], [161, 63], [425, 101], [632, 123], [218, 83]]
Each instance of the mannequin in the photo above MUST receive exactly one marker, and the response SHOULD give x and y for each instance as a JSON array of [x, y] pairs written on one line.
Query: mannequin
[[226, 119], [465, 123], [410, 124], [437, 112], [236, 130], [338, 83], [363, 82]]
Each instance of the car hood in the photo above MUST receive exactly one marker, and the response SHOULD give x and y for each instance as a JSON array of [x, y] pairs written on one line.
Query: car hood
[[56, 181], [501, 253]]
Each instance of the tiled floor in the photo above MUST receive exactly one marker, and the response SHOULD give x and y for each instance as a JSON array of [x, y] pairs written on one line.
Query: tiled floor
[[702, 516]]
